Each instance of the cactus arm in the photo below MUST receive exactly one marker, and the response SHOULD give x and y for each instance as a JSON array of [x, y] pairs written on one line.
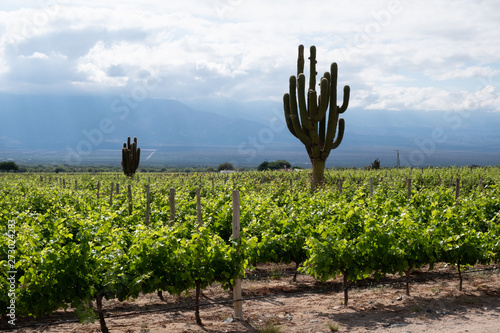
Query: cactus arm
[[313, 105], [333, 115], [124, 157], [136, 154], [335, 110], [323, 98], [322, 130], [345, 102], [294, 113], [329, 145], [331, 126], [131, 162], [333, 90], [323, 107], [311, 94], [307, 112], [288, 117], [340, 134], [312, 67], [133, 157], [333, 86], [137, 159], [301, 96], [300, 61]]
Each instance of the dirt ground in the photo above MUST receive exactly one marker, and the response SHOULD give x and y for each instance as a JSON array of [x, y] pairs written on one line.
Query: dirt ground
[[271, 300]]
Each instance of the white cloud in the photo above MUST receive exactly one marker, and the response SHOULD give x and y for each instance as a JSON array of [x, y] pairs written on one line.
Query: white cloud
[[390, 97], [94, 74], [465, 73], [395, 54], [35, 55]]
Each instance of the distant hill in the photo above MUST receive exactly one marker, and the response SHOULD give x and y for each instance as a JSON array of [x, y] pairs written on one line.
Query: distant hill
[[77, 129], [51, 122], [91, 129]]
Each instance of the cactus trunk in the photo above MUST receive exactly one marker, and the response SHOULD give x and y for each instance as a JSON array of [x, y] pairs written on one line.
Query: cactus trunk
[[318, 173]]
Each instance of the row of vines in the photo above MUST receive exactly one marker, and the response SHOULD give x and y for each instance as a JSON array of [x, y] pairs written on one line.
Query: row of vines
[[74, 247]]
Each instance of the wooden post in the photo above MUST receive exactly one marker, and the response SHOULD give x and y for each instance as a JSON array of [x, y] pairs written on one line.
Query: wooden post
[[171, 199], [130, 199], [111, 194], [457, 190], [76, 185], [117, 188], [148, 204], [237, 303], [198, 281], [98, 188], [198, 206], [408, 183]]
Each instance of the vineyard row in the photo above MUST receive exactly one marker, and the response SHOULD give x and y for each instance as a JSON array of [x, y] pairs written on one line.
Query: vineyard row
[[74, 248]]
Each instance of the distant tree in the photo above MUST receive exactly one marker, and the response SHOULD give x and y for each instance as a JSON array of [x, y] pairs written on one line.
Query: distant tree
[[280, 164], [263, 166], [8, 166], [225, 166], [376, 164], [59, 169], [276, 165]]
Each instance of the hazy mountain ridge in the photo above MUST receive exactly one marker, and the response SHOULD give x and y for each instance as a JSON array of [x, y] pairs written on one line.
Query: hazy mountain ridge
[[93, 128], [50, 122]]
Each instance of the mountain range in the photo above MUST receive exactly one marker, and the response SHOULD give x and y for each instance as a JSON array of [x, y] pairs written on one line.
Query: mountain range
[[85, 130]]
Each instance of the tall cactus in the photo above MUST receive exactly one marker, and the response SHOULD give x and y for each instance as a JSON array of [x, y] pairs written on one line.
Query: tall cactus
[[315, 123], [130, 157]]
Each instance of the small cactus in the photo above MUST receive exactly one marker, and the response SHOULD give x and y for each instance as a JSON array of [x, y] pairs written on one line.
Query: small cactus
[[130, 157]]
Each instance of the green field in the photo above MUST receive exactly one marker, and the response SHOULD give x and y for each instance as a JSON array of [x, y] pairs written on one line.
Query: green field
[[72, 239]]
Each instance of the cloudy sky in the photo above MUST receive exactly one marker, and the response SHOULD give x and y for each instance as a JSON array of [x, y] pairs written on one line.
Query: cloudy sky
[[395, 54]]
